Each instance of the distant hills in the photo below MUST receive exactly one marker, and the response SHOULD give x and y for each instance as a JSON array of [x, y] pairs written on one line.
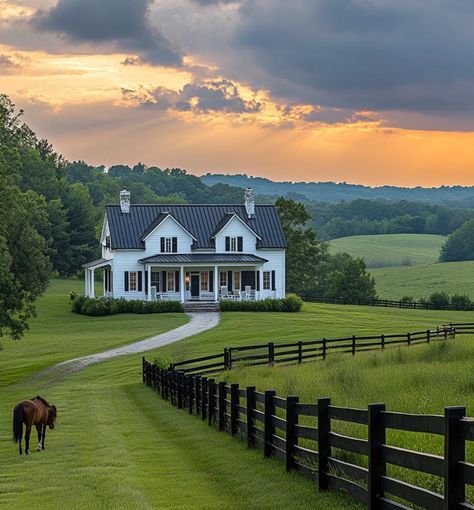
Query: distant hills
[[461, 196]]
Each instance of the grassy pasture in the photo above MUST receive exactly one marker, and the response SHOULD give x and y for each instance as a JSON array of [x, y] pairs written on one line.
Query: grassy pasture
[[421, 281], [389, 250]]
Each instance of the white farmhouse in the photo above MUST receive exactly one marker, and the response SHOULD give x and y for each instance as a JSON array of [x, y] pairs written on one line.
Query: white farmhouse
[[190, 252]]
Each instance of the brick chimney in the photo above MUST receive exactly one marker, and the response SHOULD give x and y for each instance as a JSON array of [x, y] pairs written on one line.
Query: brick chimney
[[125, 201], [250, 202]]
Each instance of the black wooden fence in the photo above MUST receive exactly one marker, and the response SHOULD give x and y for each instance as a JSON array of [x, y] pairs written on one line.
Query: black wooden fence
[[387, 303], [310, 350], [302, 436]]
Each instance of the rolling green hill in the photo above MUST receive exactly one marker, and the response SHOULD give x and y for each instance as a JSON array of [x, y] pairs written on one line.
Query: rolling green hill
[[421, 281], [390, 250]]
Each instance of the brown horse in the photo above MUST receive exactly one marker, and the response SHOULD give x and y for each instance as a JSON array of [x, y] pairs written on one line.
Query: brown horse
[[35, 412]]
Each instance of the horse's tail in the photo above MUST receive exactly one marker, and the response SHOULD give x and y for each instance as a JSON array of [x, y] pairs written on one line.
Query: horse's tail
[[18, 415]]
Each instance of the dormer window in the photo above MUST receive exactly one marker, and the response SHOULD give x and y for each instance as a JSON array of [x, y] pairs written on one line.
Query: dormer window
[[234, 243], [169, 245], [107, 242]]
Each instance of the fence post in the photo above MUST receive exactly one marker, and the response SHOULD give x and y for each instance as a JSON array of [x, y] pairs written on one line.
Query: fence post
[[353, 345], [382, 338], [234, 410], [203, 397], [179, 390], [269, 428], [229, 358], [222, 406], [377, 466], [324, 448], [226, 361], [290, 434], [211, 401], [324, 348], [454, 452], [271, 353], [300, 352], [251, 405], [143, 369], [197, 392]]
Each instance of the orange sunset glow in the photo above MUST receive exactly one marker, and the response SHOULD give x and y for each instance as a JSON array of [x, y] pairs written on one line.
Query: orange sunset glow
[[198, 88]]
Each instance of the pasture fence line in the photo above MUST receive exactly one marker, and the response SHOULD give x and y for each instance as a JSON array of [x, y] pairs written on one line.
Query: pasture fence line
[[387, 303], [302, 351], [304, 437]]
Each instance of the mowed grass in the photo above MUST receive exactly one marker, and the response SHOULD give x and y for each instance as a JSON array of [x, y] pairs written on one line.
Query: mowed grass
[[57, 334], [421, 281], [313, 322], [416, 379], [391, 249]]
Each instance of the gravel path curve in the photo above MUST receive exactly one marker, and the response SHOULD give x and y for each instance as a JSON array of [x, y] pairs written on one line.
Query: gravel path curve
[[199, 322]]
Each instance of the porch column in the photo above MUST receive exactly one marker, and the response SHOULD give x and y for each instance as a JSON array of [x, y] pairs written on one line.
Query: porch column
[[104, 279], [261, 282], [86, 282], [92, 283], [256, 285], [181, 283], [148, 269], [216, 283]]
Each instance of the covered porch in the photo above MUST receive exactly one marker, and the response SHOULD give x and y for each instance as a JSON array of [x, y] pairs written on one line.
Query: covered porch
[[203, 277], [89, 277]]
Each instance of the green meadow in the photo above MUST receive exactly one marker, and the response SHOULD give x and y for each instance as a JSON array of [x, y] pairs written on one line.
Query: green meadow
[[391, 250]]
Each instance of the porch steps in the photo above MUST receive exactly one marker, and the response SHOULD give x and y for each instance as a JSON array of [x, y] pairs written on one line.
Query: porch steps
[[201, 306]]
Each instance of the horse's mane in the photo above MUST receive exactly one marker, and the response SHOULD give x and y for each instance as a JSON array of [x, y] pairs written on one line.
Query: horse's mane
[[41, 399]]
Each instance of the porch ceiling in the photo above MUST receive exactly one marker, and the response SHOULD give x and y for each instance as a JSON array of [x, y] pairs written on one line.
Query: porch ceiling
[[203, 258]]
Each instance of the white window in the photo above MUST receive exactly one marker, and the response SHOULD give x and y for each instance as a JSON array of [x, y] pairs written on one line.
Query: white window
[[237, 280], [168, 245], [223, 279], [233, 244], [132, 280], [155, 279], [171, 282], [205, 281], [267, 281]]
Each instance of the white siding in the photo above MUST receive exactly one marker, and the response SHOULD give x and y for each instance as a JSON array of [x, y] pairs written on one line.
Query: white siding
[[276, 262], [236, 228], [169, 228]]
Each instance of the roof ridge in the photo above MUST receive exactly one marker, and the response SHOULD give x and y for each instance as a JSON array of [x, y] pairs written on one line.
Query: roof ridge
[[188, 205]]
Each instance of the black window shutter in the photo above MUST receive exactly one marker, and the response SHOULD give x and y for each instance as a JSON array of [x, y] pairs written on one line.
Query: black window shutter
[[211, 281], [240, 243], [164, 282], [176, 281], [126, 281], [146, 282], [273, 281], [174, 245], [229, 278], [162, 244], [227, 243], [258, 280], [140, 280]]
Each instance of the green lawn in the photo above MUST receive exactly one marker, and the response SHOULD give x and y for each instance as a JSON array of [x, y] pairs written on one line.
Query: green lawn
[[391, 249], [421, 281]]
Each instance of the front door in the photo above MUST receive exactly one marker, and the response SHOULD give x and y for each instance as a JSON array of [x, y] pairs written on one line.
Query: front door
[[195, 286]]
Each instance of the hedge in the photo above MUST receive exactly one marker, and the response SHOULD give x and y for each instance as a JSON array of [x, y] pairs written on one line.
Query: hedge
[[291, 303], [110, 306]]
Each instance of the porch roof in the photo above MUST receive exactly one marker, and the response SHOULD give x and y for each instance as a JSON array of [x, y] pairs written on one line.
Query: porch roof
[[203, 258], [97, 263]]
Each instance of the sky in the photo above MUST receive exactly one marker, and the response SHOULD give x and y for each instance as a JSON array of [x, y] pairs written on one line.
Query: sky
[[363, 91]]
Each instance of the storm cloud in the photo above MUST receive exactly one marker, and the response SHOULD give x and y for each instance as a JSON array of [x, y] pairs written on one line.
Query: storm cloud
[[123, 23], [405, 55]]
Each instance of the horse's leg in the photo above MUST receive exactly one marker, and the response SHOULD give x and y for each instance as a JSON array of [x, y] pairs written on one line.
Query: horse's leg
[[27, 439], [44, 435], [38, 429]]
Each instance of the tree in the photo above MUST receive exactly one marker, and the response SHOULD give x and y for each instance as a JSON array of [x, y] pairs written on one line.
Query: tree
[[305, 253], [460, 244]]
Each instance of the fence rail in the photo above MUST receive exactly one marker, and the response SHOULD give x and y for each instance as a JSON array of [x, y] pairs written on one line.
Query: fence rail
[[309, 350], [302, 436], [387, 303]]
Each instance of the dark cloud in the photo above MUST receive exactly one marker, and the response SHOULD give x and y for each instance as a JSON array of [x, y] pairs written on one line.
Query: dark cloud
[[405, 55], [6, 61], [123, 23], [213, 96]]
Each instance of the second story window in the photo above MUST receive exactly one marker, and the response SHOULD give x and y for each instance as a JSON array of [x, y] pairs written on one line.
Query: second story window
[[234, 243], [169, 245], [107, 242]]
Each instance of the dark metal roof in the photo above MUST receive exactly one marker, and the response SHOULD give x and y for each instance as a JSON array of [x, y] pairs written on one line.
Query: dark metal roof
[[202, 258], [126, 229], [98, 262]]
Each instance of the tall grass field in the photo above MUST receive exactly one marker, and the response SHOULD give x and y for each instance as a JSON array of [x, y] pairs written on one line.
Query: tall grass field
[[391, 250]]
